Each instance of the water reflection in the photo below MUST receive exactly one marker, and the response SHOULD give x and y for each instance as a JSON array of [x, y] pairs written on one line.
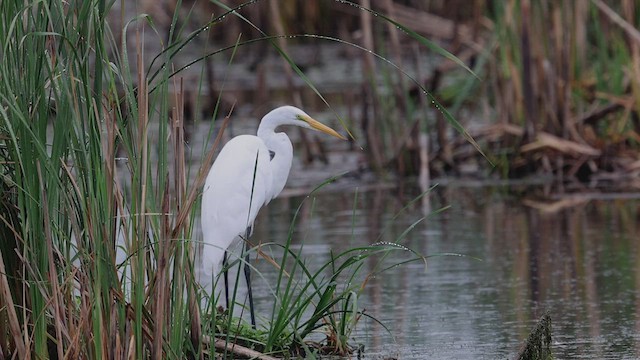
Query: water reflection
[[576, 259]]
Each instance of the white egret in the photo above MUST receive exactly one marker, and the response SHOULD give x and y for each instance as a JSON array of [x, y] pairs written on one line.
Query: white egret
[[246, 175]]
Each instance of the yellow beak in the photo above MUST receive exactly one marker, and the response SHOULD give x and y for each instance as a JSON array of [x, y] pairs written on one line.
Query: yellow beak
[[320, 126]]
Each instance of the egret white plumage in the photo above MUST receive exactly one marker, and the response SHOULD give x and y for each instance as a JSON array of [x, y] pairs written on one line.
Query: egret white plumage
[[246, 175]]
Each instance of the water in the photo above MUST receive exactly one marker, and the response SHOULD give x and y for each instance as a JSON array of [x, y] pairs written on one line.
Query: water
[[574, 257]]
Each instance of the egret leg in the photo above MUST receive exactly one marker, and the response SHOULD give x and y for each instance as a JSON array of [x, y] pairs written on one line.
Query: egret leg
[[226, 277], [247, 276]]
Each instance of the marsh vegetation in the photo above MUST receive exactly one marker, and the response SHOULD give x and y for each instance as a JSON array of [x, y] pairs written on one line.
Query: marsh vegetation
[[102, 103]]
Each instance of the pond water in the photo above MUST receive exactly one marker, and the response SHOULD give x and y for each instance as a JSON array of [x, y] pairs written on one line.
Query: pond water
[[575, 257]]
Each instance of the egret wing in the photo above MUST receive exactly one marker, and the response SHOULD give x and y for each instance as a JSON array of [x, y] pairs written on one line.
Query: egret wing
[[235, 189]]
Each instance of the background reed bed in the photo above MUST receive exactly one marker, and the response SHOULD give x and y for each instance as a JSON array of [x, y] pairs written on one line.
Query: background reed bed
[[554, 91]]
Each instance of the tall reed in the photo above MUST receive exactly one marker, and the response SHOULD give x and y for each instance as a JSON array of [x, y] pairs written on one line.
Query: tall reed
[[73, 124]]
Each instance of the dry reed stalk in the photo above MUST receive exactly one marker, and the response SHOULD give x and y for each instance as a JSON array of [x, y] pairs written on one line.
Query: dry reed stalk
[[161, 283], [9, 307], [629, 8], [400, 90], [370, 100], [550, 69], [527, 86], [424, 175], [512, 94], [83, 329], [71, 326], [276, 20], [183, 214], [296, 96], [629, 29], [581, 13], [429, 24], [131, 350], [116, 343], [565, 81], [396, 51]]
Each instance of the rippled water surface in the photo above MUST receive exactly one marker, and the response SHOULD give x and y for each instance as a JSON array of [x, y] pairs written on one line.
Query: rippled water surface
[[575, 257]]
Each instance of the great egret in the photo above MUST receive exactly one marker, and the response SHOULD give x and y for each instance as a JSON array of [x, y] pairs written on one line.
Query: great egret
[[246, 175]]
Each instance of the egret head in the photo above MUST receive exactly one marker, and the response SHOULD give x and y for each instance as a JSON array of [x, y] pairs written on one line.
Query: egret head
[[291, 115]]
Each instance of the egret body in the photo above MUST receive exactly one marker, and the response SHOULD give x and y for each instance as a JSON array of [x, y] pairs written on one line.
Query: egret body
[[249, 172]]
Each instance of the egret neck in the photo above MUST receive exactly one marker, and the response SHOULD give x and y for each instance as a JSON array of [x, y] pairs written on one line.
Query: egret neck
[[281, 151]]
